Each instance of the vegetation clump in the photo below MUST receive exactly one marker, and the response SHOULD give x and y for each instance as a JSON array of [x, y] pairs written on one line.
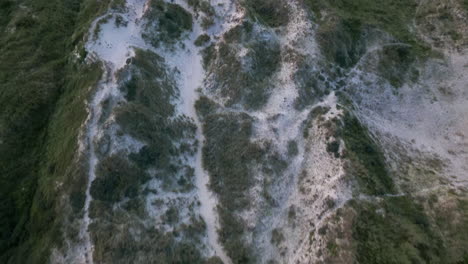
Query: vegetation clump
[[334, 148], [202, 40], [117, 179], [166, 23]]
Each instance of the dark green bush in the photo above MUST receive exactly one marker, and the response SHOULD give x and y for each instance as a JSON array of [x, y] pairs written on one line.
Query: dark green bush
[[116, 179]]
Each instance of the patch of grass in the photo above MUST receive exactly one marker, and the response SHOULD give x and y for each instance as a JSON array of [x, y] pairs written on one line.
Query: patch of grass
[[450, 213], [214, 260], [209, 55], [171, 216], [40, 120], [231, 236], [206, 107], [395, 230], [166, 24], [146, 81], [464, 4]]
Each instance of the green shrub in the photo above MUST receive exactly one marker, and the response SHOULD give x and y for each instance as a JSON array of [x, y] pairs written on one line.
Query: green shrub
[[227, 154], [333, 148], [171, 216], [277, 237], [202, 40]]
